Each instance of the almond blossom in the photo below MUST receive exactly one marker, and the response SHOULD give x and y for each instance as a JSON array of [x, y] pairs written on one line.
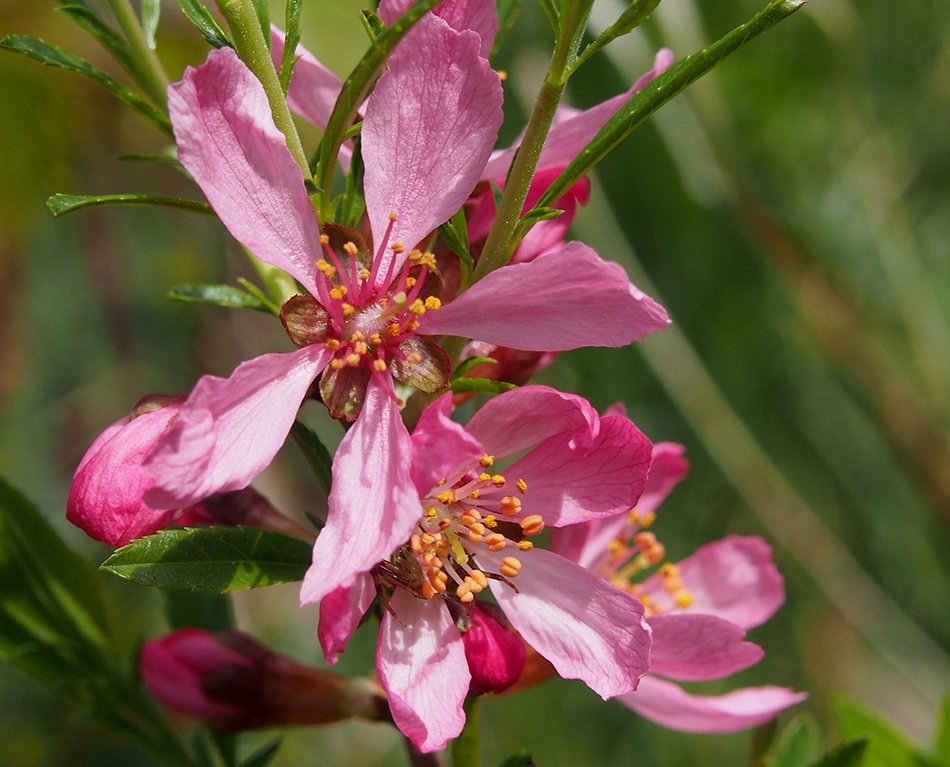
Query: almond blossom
[[441, 522]]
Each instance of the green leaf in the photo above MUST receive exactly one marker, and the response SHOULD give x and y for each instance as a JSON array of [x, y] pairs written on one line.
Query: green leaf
[[353, 204], [61, 204], [521, 759], [481, 385], [471, 362], [54, 56], [198, 609], [886, 746], [508, 11], [355, 89], [799, 744], [291, 39], [315, 452], [263, 756], [372, 24], [205, 23], [455, 233], [636, 111], [216, 559], [88, 19], [846, 755], [554, 15], [632, 17], [218, 295], [162, 158], [151, 9], [262, 10], [942, 746]]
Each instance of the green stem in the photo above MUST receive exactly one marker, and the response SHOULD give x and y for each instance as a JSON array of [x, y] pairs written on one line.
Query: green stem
[[150, 72], [500, 244], [466, 748], [251, 46]]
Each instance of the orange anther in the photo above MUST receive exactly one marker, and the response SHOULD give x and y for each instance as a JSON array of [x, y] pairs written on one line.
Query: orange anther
[[496, 541], [522, 486], [533, 524], [510, 505], [379, 366], [510, 567]]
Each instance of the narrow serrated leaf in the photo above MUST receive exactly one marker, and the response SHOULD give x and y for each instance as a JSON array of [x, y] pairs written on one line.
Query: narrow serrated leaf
[[481, 385], [227, 296], [216, 559], [455, 233], [54, 56], [205, 23], [553, 14], [315, 452], [632, 17], [61, 204], [151, 9], [89, 20]]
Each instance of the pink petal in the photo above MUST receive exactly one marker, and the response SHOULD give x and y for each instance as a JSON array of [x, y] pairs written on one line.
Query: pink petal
[[587, 629], [228, 141], [105, 498], [477, 15], [421, 664], [340, 613], [373, 503], [518, 419], [229, 429], [429, 128], [666, 471], [698, 647], [562, 300], [313, 88], [546, 236], [669, 705], [570, 135], [439, 445], [733, 578], [572, 478]]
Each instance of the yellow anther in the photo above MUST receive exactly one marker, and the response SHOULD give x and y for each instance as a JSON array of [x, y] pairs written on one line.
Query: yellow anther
[[440, 482], [324, 240], [431, 512], [473, 584], [473, 495], [440, 582], [360, 347], [502, 75], [495, 541], [478, 527], [412, 325], [510, 567], [525, 545], [484, 477], [397, 247], [486, 460], [445, 523], [467, 519], [417, 307], [433, 303], [648, 519], [490, 521], [415, 543], [379, 366], [338, 292], [673, 584], [350, 248], [479, 577], [332, 344], [532, 525], [393, 329], [429, 538], [428, 590], [683, 599], [656, 554], [428, 260], [357, 336], [414, 255], [435, 564], [376, 339], [353, 359], [447, 497], [411, 282], [348, 310], [522, 486], [363, 273], [468, 597], [615, 547], [337, 364], [669, 569], [392, 216], [413, 358], [645, 540], [633, 517], [498, 480], [510, 505], [474, 537], [645, 599]]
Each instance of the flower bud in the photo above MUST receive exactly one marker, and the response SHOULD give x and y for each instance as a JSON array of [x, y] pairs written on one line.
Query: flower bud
[[234, 683], [495, 653]]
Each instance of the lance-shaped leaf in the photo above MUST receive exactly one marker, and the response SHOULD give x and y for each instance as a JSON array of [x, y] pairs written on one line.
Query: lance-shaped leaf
[[151, 9], [87, 18], [61, 204], [205, 23], [219, 295], [316, 453], [658, 92], [54, 56], [215, 559], [632, 17]]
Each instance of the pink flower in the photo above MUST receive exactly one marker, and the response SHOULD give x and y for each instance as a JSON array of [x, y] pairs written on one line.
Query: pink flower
[[428, 130], [435, 523], [699, 609]]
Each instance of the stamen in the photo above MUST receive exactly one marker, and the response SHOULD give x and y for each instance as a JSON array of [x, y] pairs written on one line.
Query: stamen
[[510, 567], [522, 486], [532, 525]]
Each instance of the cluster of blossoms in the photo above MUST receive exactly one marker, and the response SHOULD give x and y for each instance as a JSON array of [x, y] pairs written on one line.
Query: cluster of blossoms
[[424, 524]]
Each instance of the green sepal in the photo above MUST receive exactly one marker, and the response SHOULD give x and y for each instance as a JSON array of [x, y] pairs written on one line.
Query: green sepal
[[54, 56], [61, 204], [215, 559]]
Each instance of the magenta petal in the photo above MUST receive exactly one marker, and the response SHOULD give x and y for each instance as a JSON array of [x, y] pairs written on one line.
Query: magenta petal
[[340, 613], [520, 418], [477, 15], [669, 705], [373, 503], [429, 128], [733, 578], [105, 498], [666, 471], [441, 444], [697, 647], [228, 141], [229, 429], [573, 479], [562, 300], [313, 88], [421, 664], [586, 628]]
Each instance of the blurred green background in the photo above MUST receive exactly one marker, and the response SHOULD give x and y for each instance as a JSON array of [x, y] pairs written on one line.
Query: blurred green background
[[792, 213]]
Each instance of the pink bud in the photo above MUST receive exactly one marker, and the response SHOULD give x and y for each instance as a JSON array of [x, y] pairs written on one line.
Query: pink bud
[[495, 653]]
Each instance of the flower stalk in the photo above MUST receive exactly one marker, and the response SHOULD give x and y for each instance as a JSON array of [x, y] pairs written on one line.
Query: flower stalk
[[149, 68]]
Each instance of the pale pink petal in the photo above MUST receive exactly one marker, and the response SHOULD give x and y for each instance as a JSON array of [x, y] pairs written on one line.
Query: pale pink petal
[[574, 477], [440, 445], [733, 578], [697, 647], [229, 429], [429, 128], [373, 503], [546, 236], [421, 664], [669, 705], [340, 613], [562, 300], [228, 142], [587, 629], [105, 498], [520, 418], [477, 15], [570, 135], [313, 88], [666, 471]]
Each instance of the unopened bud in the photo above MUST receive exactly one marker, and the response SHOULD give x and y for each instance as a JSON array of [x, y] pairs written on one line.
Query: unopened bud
[[495, 653]]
